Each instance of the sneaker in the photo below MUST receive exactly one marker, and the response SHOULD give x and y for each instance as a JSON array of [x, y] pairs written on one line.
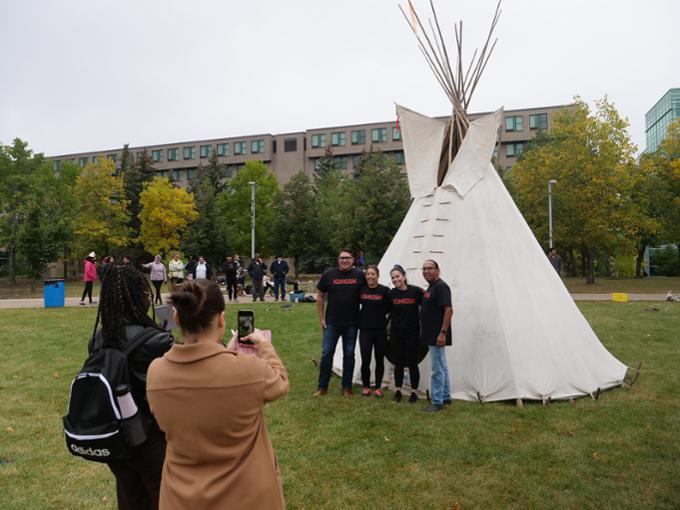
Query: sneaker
[[319, 392], [413, 398], [378, 393], [447, 402], [236, 300], [82, 303], [397, 396], [346, 392], [366, 392], [433, 408]]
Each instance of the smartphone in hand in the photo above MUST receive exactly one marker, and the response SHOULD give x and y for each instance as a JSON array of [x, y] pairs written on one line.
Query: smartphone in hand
[[246, 325]]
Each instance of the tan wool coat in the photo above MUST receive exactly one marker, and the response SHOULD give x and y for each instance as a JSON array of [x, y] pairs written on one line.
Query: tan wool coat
[[208, 401]]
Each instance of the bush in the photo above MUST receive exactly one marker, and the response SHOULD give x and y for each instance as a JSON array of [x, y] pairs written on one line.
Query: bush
[[665, 262]]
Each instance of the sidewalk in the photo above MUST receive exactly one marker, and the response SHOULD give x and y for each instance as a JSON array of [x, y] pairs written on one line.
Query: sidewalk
[[7, 304]]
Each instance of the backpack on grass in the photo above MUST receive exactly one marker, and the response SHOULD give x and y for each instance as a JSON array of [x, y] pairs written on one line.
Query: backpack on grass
[[96, 426]]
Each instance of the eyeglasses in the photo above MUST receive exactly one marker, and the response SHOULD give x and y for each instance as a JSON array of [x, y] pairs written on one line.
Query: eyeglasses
[[345, 258], [429, 269]]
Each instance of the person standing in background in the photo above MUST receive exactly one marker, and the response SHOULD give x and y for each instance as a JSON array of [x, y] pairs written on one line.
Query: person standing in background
[[256, 270], [89, 277], [176, 270], [158, 276], [230, 268], [279, 270]]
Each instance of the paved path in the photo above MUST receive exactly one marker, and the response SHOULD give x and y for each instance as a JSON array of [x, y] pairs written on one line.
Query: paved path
[[6, 304]]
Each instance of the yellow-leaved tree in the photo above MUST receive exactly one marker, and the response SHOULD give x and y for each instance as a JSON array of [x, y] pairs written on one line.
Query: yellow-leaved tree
[[166, 212], [102, 218]]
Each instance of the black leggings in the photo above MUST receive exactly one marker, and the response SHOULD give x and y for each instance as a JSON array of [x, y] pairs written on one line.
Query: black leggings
[[232, 289], [412, 370], [370, 339], [87, 291], [157, 285]]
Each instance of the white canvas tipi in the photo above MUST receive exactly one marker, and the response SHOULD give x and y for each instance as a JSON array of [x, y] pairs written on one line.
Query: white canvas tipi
[[517, 333]]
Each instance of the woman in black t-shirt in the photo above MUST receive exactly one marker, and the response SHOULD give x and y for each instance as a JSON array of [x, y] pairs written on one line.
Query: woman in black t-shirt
[[404, 302], [372, 322]]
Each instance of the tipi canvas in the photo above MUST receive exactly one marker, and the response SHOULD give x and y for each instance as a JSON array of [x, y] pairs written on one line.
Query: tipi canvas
[[517, 333]]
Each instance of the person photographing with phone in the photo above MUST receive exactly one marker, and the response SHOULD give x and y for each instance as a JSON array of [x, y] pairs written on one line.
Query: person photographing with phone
[[209, 399]]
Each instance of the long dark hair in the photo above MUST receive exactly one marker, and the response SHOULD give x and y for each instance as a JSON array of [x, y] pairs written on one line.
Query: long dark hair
[[125, 298]]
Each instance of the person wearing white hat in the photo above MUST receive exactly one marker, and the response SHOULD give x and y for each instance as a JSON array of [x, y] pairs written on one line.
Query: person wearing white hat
[[89, 276]]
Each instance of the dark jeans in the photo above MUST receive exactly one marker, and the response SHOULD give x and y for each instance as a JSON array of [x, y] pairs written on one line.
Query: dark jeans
[[87, 291], [231, 289], [258, 289], [157, 285], [330, 340], [138, 480], [280, 284], [370, 340]]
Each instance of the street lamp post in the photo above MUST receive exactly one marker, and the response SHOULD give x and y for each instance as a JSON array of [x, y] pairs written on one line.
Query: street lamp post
[[253, 185], [551, 182]]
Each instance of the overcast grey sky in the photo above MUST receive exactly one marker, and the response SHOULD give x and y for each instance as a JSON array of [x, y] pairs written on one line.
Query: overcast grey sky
[[81, 75]]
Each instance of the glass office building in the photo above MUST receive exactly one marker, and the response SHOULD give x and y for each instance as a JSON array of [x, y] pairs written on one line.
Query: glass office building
[[665, 111]]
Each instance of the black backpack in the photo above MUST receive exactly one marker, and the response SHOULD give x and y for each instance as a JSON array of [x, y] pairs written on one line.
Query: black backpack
[[94, 426]]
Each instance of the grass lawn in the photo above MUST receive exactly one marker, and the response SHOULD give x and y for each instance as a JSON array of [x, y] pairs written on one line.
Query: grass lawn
[[22, 290], [622, 451], [651, 285]]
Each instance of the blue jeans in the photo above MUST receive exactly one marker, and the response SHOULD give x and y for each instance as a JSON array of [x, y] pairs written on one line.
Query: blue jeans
[[280, 283], [330, 339], [440, 385]]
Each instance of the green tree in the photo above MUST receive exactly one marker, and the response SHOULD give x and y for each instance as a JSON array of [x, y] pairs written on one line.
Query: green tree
[[102, 221], [332, 189], [296, 231], [213, 173], [166, 212], [381, 186], [135, 174], [590, 154], [203, 236], [326, 164], [667, 164], [233, 209]]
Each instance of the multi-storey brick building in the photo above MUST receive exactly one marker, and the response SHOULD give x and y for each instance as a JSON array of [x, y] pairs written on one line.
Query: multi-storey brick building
[[288, 153]]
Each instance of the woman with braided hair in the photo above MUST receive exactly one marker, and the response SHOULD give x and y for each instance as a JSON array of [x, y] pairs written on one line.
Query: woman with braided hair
[[123, 311]]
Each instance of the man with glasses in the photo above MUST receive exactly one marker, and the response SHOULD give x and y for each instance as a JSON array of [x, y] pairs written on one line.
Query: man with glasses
[[435, 316], [342, 286]]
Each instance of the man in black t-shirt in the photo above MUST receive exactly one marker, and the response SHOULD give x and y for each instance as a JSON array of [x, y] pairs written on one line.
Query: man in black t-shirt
[[435, 317], [342, 288]]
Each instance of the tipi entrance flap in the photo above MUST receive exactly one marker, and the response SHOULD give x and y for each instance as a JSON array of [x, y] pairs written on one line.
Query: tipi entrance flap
[[422, 140], [472, 160]]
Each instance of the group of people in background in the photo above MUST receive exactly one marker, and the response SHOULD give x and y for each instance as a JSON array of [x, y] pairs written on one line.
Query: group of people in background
[[197, 268], [350, 300]]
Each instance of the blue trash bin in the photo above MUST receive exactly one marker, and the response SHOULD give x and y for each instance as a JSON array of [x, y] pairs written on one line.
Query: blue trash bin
[[54, 293]]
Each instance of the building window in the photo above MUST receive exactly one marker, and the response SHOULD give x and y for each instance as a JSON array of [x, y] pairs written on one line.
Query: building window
[[239, 148], [538, 121], [157, 155], [222, 149], [56, 165], [112, 157], [358, 137], [205, 151], [82, 162], [514, 123], [341, 162], [399, 157], [396, 134], [338, 139], [256, 146], [189, 152], [173, 154], [162, 173], [495, 152], [356, 160], [191, 173], [94, 159], [177, 175], [318, 141], [290, 145], [378, 135], [514, 149]]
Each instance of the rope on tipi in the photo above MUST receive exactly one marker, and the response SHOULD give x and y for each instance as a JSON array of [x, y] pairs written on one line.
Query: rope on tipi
[[459, 85]]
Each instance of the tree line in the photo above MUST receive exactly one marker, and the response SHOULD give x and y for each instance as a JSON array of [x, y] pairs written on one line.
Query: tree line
[[47, 215]]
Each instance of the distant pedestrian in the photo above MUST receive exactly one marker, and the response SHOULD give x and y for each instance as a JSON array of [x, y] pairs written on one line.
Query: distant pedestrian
[[555, 260], [230, 268], [256, 270], [176, 270], [89, 276], [202, 270], [158, 276], [279, 270], [361, 259], [191, 267], [436, 313], [104, 267]]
